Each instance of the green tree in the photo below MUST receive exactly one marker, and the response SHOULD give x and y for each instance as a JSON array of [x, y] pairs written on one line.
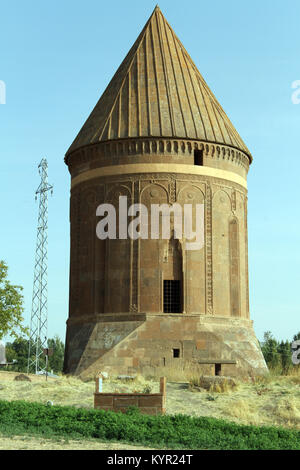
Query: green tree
[[11, 306], [284, 349], [269, 349], [18, 351], [56, 361], [296, 337]]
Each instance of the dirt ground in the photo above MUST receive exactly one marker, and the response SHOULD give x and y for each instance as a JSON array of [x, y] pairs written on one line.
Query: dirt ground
[[36, 443], [274, 401]]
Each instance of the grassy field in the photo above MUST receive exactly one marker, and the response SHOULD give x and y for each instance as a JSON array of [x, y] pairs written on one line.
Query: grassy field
[[272, 401]]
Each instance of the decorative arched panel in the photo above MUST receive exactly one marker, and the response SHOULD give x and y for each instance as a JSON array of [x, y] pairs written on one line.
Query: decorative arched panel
[[234, 260], [118, 253], [152, 253], [221, 212], [194, 259], [241, 203]]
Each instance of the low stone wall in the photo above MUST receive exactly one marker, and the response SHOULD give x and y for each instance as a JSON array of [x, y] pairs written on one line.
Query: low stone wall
[[148, 403]]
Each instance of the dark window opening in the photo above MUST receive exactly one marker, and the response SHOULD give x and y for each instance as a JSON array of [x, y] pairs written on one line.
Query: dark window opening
[[217, 369], [176, 352], [198, 157], [172, 296]]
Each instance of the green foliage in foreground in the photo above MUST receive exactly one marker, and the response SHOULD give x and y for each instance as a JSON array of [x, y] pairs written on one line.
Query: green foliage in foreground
[[178, 431]]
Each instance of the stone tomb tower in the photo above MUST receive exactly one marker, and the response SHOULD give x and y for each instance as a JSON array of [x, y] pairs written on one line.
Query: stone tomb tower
[[159, 136]]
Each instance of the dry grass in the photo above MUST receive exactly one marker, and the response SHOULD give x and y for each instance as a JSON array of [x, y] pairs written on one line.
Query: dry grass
[[242, 411], [223, 385], [271, 400], [67, 390], [182, 372]]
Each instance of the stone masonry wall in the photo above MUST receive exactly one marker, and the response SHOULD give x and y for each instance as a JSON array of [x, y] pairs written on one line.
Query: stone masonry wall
[[150, 348]]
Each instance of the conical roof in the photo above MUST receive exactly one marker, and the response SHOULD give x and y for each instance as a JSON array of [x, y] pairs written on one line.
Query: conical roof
[[158, 92]]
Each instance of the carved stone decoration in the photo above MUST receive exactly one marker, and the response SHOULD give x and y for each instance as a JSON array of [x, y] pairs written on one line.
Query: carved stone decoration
[[99, 259], [145, 179], [246, 256], [75, 248], [133, 308], [106, 281], [113, 192], [234, 267], [135, 254], [233, 201], [172, 191], [208, 251]]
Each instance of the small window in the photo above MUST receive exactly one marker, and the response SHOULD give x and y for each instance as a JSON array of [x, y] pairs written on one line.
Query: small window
[[217, 369], [172, 296], [176, 352], [198, 157]]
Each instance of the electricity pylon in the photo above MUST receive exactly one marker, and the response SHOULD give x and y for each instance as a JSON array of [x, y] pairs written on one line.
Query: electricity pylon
[[39, 311]]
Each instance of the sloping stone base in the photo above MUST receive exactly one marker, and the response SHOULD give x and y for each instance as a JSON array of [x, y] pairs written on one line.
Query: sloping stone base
[[149, 343]]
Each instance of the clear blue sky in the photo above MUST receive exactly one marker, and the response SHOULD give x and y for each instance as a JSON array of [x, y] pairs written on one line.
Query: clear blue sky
[[57, 58]]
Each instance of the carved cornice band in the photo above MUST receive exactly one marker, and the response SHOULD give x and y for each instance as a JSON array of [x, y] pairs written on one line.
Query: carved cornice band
[[155, 146]]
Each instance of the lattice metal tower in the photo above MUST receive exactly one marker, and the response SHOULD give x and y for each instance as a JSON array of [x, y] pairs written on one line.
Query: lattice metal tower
[[39, 311]]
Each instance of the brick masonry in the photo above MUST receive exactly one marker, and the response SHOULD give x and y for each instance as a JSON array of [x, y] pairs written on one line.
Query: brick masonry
[[148, 403]]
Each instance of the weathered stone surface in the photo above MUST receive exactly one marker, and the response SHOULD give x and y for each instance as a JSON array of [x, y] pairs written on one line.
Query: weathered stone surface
[[159, 136], [154, 341]]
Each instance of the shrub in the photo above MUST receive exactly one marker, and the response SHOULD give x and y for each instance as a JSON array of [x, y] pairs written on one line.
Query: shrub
[[178, 431]]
